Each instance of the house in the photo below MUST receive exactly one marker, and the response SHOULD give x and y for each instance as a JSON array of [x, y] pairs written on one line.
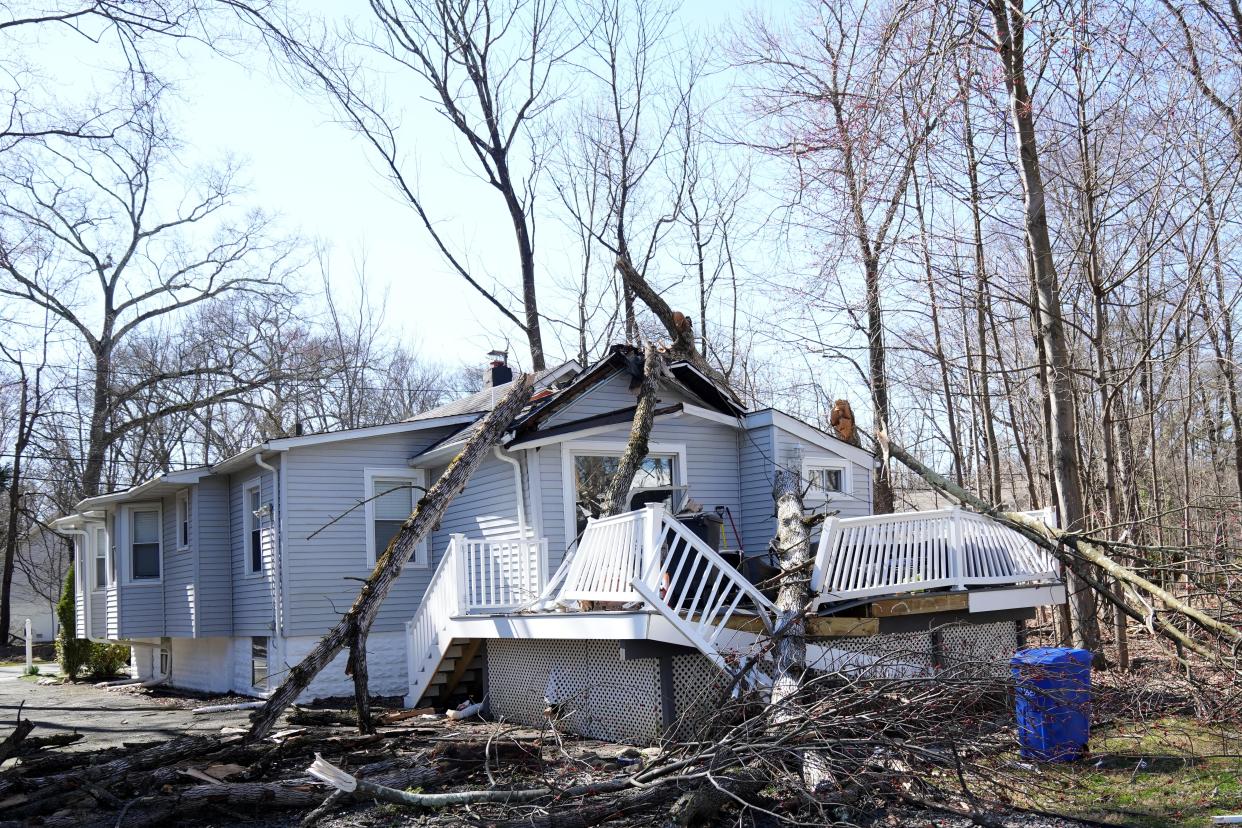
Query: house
[[222, 577]]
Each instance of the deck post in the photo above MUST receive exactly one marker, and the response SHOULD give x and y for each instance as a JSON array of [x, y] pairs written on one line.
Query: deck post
[[653, 522], [957, 549], [456, 548]]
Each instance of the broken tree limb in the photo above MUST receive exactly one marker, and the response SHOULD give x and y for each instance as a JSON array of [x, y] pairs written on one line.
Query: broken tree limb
[[1057, 541], [13, 741], [427, 513], [616, 497], [680, 331]]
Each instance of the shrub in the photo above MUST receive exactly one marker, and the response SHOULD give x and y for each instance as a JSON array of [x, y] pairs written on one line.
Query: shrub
[[32, 670], [72, 652], [106, 660]]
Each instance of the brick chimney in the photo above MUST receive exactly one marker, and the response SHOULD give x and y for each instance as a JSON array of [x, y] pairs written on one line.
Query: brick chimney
[[498, 372]]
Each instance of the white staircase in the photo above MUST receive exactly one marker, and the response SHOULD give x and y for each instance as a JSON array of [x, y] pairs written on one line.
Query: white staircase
[[473, 576], [649, 556]]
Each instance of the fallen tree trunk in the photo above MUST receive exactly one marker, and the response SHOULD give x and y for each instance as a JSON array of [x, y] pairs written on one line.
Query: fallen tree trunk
[[427, 513], [1080, 549]]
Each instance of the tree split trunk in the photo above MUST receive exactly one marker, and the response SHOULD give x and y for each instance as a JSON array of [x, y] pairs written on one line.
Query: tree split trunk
[[355, 623], [616, 497], [793, 540], [681, 335]]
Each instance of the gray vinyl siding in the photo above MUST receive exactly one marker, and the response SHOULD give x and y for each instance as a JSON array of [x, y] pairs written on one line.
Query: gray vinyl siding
[[142, 611], [790, 451], [322, 482], [210, 528], [254, 602], [486, 508], [179, 586], [711, 463], [613, 394], [552, 502], [80, 584], [99, 614], [758, 518]]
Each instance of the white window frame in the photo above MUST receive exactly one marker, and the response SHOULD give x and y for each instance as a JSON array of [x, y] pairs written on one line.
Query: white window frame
[[183, 522], [251, 522], [579, 448], [823, 461], [418, 477], [127, 541], [96, 553]]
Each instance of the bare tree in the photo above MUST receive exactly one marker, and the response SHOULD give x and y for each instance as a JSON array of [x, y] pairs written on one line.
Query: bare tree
[[97, 211], [487, 66]]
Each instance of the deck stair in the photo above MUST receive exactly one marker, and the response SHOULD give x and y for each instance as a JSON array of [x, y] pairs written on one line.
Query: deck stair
[[651, 557], [460, 666]]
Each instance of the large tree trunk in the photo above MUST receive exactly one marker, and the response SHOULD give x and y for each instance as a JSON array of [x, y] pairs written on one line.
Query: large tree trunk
[[1010, 34], [427, 513], [793, 541], [616, 497]]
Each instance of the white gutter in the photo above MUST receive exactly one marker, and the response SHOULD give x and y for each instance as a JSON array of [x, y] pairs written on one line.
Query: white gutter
[[517, 487]]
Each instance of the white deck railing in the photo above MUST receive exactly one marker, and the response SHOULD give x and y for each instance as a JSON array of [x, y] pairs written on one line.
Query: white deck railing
[[608, 558], [500, 575], [912, 551], [427, 638]]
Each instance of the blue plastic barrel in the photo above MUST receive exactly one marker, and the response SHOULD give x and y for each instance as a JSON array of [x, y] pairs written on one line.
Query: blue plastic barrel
[[1052, 693]]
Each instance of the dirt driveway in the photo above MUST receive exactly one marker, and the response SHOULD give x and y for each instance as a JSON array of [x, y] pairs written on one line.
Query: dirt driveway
[[107, 717]]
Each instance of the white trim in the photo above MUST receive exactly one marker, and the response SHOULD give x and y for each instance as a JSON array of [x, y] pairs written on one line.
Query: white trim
[[371, 431], [571, 449], [821, 461], [990, 600], [534, 479], [810, 434], [250, 522], [182, 502], [437, 456], [715, 416], [127, 542], [421, 559]]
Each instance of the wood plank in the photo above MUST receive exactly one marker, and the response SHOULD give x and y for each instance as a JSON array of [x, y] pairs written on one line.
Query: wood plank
[[919, 604], [816, 627]]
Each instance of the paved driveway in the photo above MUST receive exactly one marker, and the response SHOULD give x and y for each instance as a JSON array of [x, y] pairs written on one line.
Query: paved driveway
[[104, 717]]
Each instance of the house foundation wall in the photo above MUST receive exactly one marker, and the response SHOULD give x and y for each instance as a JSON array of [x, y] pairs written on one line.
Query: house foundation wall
[[386, 666]]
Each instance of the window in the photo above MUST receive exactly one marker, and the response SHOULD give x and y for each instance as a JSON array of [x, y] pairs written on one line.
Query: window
[[165, 661], [101, 578], [390, 498], [144, 544], [252, 500], [655, 482], [258, 661], [826, 477], [183, 520]]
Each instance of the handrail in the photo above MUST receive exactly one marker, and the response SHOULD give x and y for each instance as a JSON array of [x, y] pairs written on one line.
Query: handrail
[[501, 574], [425, 642]]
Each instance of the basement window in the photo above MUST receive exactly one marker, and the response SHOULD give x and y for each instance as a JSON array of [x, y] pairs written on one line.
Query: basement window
[[258, 661]]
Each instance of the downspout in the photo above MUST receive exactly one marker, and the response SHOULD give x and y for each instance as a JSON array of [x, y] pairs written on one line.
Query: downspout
[[517, 487], [278, 550]]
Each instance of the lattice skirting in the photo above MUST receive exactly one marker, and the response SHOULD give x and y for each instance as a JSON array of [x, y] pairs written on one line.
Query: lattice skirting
[[974, 649], [595, 693]]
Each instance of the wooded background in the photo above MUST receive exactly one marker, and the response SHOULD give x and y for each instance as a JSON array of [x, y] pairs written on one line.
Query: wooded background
[[1008, 234]]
